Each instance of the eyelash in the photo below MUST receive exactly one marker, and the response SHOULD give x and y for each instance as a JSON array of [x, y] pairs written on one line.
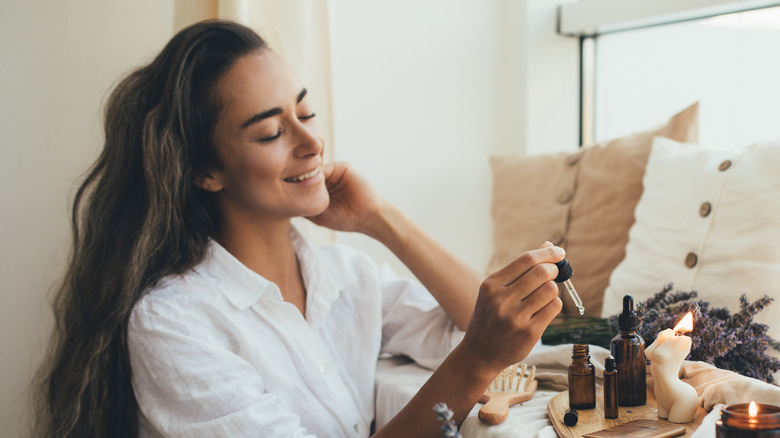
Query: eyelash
[[269, 139], [279, 133]]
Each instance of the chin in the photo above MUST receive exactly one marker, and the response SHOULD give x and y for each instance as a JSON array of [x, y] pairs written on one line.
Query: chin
[[319, 206]]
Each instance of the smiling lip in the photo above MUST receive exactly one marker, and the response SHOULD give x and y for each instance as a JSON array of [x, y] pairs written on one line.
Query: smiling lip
[[303, 177]]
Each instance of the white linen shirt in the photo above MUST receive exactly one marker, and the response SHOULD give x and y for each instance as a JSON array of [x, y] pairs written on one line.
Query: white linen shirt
[[218, 352]]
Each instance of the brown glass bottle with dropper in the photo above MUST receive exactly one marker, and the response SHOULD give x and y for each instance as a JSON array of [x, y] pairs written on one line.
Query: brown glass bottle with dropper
[[628, 349]]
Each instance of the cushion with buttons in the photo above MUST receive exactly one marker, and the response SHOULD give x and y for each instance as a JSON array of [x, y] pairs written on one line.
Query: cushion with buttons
[[583, 201], [707, 221]]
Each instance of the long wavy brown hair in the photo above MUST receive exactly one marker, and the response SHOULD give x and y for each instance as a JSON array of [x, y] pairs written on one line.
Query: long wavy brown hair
[[136, 218]]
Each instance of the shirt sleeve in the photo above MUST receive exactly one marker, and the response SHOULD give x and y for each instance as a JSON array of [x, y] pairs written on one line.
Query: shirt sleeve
[[413, 323], [190, 386]]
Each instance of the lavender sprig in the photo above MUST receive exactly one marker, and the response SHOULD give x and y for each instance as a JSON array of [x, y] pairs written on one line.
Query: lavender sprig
[[448, 426]]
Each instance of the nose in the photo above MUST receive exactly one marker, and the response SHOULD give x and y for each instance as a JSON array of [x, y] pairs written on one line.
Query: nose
[[308, 141]]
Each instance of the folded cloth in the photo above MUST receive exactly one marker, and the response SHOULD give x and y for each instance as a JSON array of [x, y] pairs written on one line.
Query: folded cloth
[[552, 364], [707, 427], [717, 386]]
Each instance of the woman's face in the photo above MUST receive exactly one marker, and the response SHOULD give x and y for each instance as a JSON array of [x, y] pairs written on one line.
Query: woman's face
[[268, 143]]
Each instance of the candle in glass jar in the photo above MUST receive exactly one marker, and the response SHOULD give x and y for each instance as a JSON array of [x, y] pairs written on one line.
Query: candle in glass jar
[[753, 420], [676, 400]]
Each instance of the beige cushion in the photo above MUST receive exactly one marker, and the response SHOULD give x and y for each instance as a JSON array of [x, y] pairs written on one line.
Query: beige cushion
[[583, 201], [722, 250]]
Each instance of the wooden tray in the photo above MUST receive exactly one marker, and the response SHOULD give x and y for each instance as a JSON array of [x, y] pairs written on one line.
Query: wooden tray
[[592, 420]]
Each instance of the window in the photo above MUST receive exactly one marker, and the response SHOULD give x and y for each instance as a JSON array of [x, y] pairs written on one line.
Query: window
[[730, 63]]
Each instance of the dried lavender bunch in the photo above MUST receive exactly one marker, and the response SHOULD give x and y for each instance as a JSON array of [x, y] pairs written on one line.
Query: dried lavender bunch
[[729, 341]]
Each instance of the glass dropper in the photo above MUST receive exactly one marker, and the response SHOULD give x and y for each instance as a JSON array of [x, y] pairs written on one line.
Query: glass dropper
[[565, 272]]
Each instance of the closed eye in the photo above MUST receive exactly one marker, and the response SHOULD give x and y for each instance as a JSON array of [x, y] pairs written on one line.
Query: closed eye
[[310, 116], [272, 138]]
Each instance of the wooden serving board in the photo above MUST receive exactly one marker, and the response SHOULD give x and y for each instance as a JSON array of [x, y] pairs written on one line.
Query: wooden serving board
[[592, 420]]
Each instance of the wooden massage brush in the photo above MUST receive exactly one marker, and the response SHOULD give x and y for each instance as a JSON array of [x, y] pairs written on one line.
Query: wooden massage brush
[[507, 389]]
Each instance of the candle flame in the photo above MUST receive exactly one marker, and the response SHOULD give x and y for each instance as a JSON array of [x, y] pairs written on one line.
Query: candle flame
[[752, 409], [685, 325]]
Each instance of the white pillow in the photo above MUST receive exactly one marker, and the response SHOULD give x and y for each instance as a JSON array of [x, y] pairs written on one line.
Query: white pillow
[[736, 245]]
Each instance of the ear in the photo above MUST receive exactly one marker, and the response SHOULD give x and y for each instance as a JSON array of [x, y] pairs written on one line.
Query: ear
[[208, 182]]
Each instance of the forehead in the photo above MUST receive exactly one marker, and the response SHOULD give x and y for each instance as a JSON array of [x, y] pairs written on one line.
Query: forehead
[[257, 82]]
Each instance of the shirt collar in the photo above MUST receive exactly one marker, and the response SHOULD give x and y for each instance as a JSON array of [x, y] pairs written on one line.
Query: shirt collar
[[323, 278]]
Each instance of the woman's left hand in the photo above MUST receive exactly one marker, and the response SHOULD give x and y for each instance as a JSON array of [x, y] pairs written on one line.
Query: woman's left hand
[[353, 202]]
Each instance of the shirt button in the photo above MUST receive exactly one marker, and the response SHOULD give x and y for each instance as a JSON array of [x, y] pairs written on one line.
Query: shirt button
[[691, 259], [324, 368], [724, 165], [705, 209], [357, 427]]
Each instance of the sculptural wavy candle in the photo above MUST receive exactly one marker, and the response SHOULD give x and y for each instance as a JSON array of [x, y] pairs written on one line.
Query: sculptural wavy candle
[[677, 400]]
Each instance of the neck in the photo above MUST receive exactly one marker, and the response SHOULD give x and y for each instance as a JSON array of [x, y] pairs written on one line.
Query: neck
[[268, 250]]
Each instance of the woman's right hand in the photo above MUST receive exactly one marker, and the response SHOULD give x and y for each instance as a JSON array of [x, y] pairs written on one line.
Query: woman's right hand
[[514, 306]]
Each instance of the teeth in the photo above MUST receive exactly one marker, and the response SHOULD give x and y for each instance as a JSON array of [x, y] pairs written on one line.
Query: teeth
[[303, 177]]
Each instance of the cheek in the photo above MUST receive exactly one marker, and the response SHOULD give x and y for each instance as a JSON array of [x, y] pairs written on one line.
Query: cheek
[[250, 177], [259, 166]]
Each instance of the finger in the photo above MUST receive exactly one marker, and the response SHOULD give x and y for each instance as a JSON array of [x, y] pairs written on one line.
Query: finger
[[337, 174], [546, 244], [328, 169], [536, 300], [521, 265], [532, 280], [546, 314]]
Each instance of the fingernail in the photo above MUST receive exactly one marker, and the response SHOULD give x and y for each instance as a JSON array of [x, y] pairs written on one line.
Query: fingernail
[[559, 251]]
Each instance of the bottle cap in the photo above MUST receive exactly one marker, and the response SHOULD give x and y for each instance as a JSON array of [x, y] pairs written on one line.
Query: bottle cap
[[571, 417], [565, 271], [629, 319], [609, 364]]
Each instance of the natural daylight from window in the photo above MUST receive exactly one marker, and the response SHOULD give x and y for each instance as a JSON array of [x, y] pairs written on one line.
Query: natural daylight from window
[[729, 63]]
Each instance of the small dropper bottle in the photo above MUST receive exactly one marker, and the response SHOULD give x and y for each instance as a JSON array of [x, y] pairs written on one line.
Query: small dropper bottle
[[610, 388], [582, 379], [565, 272]]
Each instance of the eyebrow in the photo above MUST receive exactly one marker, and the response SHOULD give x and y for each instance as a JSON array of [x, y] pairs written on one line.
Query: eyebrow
[[271, 112]]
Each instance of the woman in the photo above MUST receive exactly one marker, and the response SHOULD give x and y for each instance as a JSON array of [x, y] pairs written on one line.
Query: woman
[[192, 306]]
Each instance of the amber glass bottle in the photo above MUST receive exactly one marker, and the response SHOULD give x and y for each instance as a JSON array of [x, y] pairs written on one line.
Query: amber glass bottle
[[582, 379], [628, 349], [610, 389]]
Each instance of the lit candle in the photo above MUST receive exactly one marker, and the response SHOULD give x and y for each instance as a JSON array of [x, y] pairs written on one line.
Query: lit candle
[[677, 400], [748, 420]]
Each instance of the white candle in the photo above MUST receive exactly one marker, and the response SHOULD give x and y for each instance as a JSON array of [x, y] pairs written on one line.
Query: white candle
[[677, 400]]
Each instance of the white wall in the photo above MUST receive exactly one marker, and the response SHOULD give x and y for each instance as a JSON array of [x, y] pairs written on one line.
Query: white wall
[[647, 75], [59, 59], [424, 92]]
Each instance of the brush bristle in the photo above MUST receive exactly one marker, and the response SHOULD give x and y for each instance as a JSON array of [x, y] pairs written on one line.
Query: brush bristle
[[508, 380]]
